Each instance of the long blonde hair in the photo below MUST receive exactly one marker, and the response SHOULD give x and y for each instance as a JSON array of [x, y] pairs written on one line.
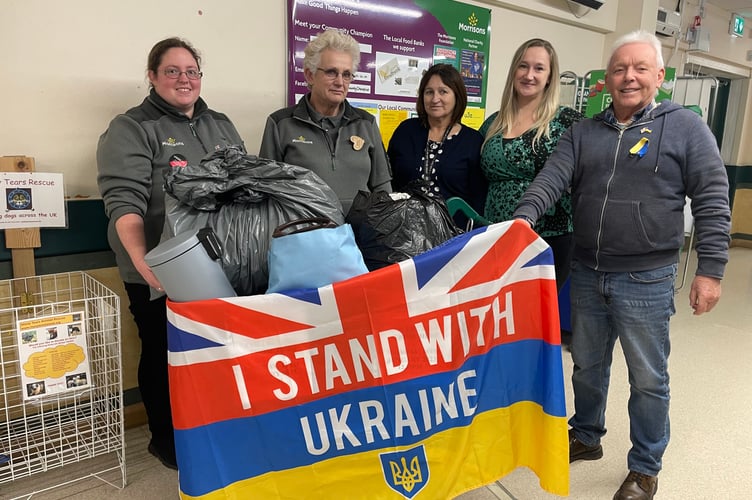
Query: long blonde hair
[[548, 106]]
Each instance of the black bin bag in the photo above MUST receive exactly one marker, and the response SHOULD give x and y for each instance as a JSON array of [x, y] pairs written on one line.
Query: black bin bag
[[243, 198], [394, 227]]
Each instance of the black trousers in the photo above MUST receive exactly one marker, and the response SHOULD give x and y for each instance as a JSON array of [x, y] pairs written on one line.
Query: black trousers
[[561, 246], [151, 319]]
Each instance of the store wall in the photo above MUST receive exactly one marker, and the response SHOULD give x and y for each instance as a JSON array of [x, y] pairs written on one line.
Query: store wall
[[728, 57], [69, 67]]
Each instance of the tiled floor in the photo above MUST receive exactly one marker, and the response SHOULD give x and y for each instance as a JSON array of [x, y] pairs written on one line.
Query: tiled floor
[[709, 457]]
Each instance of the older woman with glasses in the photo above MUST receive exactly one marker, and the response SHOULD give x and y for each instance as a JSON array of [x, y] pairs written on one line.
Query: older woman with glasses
[[172, 127], [323, 132]]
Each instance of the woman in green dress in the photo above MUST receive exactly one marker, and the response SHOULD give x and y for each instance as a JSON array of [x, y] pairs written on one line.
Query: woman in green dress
[[520, 137]]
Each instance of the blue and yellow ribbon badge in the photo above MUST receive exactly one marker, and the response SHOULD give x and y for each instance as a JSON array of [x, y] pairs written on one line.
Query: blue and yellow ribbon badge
[[640, 148]]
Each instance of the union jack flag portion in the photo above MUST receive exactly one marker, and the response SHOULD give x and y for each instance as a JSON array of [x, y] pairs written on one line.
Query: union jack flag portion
[[424, 379]]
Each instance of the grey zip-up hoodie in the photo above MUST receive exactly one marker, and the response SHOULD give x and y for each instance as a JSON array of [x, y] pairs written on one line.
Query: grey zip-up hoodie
[[629, 186], [136, 151]]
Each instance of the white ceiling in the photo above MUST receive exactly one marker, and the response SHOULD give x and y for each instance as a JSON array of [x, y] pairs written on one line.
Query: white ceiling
[[741, 7]]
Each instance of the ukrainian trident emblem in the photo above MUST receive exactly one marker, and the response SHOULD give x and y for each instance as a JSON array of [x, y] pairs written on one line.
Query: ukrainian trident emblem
[[406, 472]]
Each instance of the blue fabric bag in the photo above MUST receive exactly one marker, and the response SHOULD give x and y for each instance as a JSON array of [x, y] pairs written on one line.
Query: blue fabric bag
[[311, 253]]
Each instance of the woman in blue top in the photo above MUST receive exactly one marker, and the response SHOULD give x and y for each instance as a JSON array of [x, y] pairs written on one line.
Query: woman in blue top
[[436, 147], [519, 139]]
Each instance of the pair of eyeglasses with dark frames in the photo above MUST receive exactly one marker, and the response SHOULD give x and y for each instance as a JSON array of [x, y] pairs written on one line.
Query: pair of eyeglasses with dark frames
[[191, 74], [332, 74]]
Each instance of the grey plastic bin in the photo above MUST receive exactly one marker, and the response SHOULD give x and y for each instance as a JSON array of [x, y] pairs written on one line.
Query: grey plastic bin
[[188, 266]]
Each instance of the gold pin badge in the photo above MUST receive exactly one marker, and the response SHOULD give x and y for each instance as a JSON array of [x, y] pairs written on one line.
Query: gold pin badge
[[357, 142], [645, 129]]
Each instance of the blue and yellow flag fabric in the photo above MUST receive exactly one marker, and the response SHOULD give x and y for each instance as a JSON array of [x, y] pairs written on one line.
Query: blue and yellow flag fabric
[[421, 380]]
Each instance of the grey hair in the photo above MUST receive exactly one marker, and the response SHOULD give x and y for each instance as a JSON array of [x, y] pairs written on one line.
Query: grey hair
[[331, 39], [639, 36]]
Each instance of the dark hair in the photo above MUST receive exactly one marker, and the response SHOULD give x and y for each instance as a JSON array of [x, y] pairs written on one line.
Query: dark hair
[[158, 51], [452, 79]]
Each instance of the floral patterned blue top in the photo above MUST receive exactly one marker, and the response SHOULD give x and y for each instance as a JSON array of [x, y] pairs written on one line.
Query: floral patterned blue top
[[511, 165]]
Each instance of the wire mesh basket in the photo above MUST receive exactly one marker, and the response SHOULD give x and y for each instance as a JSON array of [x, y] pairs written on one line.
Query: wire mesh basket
[[81, 420]]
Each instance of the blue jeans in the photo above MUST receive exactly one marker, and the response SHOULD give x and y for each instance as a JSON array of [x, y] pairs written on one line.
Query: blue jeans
[[635, 308]]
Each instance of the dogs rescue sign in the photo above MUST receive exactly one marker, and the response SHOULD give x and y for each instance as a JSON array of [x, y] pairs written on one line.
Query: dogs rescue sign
[[32, 199]]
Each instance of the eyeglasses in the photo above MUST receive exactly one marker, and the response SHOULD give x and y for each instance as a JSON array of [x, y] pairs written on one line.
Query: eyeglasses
[[174, 74], [332, 74]]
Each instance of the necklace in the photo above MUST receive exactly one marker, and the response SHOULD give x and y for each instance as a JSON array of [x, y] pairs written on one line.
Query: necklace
[[430, 158]]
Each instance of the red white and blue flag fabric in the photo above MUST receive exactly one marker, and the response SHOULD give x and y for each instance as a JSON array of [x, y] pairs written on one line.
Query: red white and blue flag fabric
[[424, 379]]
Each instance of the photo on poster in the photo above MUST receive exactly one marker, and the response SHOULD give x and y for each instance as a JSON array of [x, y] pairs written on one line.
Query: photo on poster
[[35, 389], [472, 64], [399, 75], [29, 336], [76, 380], [446, 55], [52, 333]]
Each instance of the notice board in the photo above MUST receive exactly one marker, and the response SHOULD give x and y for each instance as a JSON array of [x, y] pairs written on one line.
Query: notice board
[[399, 40]]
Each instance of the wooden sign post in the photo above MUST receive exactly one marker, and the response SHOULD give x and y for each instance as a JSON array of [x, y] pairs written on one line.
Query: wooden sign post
[[22, 241]]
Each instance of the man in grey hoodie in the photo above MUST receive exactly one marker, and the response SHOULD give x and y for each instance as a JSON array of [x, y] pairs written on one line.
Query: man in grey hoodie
[[630, 169]]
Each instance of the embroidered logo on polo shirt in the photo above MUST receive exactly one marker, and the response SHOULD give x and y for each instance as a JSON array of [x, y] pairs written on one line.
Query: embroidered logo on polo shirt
[[302, 139], [172, 142]]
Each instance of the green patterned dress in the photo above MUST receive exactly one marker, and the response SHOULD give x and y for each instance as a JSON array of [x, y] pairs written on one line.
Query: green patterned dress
[[511, 165]]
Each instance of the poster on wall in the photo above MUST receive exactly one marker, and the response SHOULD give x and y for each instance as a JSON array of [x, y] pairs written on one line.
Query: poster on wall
[[399, 40], [53, 355]]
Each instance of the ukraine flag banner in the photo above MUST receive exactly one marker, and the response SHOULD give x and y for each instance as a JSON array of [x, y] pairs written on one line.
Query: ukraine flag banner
[[424, 380]]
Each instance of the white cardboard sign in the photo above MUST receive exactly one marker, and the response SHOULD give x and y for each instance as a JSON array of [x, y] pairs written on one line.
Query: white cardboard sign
[[32, 199]]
